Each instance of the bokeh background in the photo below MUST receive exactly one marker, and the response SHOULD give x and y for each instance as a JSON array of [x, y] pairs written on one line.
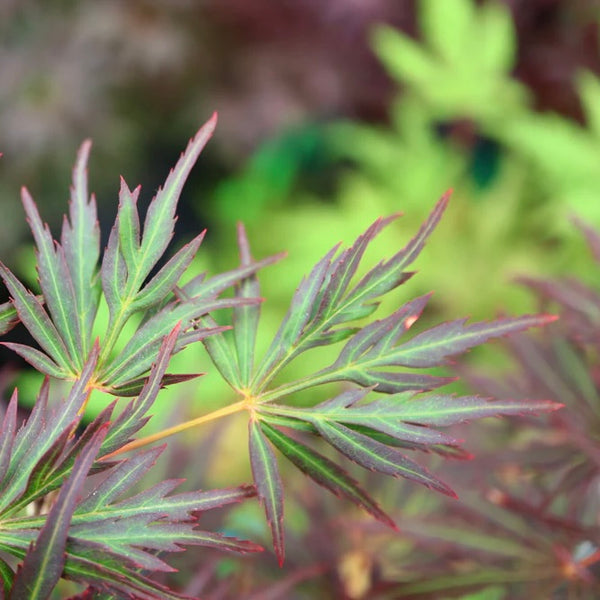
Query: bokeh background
[[331, 113]]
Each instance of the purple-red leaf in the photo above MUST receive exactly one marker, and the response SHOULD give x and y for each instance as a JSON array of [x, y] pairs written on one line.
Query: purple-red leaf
[[268, 484], [324, 472], [33, 315], [434, 346], [375, 456], [44, 562], [7, 434], [8, 317], [56, 284]]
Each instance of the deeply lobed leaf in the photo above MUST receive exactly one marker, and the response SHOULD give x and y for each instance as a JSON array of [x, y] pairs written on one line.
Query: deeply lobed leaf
[[43, 565], [61, 320]]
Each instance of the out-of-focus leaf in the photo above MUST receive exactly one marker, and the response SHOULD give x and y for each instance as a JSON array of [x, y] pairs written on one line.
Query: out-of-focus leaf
[[6, 579], [589, 90], [402, 57], [496, 42], [592, 236], [8, 317], [447, 26]]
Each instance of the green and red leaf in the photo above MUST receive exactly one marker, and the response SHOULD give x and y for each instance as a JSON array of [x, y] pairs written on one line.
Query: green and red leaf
[[324, 472], [268, 484], [44, 563]]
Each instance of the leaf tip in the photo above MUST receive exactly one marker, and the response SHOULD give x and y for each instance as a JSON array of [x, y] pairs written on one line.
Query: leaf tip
[[26, 197], [549, 318]]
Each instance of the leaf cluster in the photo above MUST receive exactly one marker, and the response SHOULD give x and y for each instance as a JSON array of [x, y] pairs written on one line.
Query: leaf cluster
[[534, 531], [462, 66], [57, 521], [72, 284], [382, 413], [101, 535]]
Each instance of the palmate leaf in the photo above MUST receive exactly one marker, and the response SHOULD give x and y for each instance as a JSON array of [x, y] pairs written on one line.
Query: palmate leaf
[[32, 314], [61, 320], [106, 536], [245, 318], [153, 519], [375, 347], [109, 540], [134, 415], [381, 415], [323, 300], [141, 349], [225, 356], [352, 428], [80, 240], [57, 286], [42, 439], [376, 456], [36, 460], [66, 274], [43, 565]]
